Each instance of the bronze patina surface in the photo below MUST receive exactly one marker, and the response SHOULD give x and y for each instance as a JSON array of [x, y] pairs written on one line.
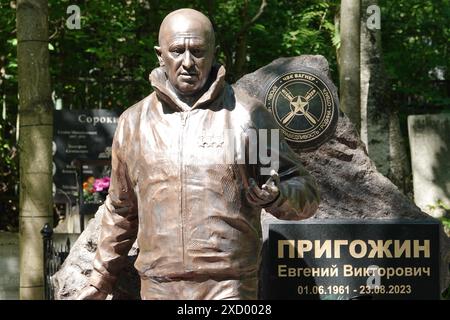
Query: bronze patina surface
[[195, 214]]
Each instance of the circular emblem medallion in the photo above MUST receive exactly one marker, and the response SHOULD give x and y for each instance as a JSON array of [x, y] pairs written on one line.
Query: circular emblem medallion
[[304, 107]]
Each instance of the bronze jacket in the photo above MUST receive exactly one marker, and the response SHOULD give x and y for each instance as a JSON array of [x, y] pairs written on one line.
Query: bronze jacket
[[172, 190]]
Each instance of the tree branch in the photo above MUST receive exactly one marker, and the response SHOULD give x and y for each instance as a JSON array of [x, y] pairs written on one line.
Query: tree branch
[[248, 24]]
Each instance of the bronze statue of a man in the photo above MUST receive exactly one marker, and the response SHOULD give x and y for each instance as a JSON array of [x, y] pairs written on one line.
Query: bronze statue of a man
[[196, 217]]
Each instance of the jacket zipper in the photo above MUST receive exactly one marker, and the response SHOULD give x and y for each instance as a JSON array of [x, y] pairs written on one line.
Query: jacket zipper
[[184, 116]]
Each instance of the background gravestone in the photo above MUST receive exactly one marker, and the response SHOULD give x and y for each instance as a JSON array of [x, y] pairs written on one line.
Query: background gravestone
[[79, 135], [429, 137], [351, 188]]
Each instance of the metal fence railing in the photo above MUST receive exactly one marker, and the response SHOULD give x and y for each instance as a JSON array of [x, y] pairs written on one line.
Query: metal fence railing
[[56, 249]]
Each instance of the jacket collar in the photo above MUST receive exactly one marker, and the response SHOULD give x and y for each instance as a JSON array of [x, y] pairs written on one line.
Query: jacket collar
[[163, 89]]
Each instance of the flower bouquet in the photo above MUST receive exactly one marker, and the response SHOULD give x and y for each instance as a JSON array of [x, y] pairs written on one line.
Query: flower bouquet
[[95, 190]]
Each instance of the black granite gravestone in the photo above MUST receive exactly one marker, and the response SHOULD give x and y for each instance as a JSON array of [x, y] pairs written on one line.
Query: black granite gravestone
[[80, 135], [345, 259]]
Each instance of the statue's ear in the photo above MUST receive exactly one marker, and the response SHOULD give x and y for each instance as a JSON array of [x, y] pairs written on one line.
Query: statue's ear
[[159, 55]]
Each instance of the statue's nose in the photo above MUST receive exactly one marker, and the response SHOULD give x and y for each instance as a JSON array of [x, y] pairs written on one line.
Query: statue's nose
[[188, 62]]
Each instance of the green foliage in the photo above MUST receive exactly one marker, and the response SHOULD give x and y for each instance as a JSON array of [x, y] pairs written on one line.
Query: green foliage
[[113, 50], [286, 28], [8, 177], [416, 36], [106, 63], [111, 54], [445, 219], [8, 110]]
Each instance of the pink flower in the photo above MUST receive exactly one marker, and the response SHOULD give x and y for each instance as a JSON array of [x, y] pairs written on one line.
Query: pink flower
[[101, 184]]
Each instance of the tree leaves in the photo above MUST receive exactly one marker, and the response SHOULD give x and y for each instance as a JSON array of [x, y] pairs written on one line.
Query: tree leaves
[[416, 33], [106, 63]]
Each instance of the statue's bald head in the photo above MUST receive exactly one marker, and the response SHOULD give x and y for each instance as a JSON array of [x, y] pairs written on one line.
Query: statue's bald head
[[186, 50], [186, 21]]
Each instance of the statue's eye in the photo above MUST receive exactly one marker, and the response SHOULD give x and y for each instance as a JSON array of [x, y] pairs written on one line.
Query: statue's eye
[[196, 52], [177, 51]]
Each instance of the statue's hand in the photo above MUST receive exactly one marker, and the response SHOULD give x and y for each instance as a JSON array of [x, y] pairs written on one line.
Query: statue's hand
[[268, 192], [91, 293]]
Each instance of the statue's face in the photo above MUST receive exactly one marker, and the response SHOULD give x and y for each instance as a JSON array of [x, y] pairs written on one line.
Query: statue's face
[[187, 52]]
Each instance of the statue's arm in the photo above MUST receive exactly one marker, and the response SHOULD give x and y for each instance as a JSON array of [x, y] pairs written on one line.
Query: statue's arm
[[120, 220], [299, 194]]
